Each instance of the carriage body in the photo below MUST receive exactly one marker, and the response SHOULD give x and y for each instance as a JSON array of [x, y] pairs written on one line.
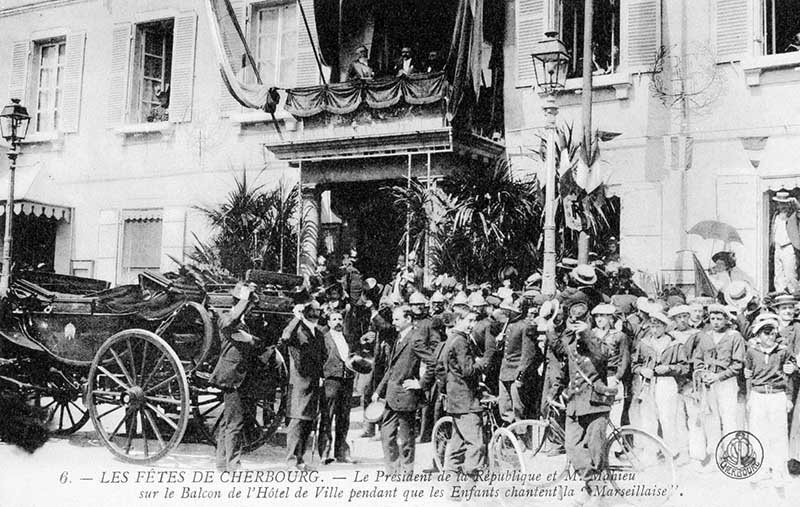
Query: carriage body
[[135, 359]]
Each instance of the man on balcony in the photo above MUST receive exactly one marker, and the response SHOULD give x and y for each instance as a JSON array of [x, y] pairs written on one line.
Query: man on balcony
[[405, 65], [359, 68]]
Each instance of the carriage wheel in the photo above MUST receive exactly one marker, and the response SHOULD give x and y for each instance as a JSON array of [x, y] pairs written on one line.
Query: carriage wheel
[[63, 401], [190, 334], [265, 407], [138, 396]]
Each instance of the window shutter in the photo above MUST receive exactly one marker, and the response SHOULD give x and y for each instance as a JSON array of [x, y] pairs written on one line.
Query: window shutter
[[642, 35], [234, 51], [307, 70], [732, 30], [182, 86], [530, 30], [20, 55], [73, 79], [120, 66]]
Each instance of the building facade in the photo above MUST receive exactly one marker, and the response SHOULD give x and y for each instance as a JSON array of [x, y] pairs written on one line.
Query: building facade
[[704, 95]]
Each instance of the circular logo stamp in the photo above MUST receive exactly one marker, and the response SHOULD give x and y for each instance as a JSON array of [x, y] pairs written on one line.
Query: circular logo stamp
[[739, 454]]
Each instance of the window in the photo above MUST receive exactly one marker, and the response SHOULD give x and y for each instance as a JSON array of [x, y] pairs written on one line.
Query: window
[[780, 26], [141, 246], [49, 60], [276, 44], [605, 33], [152, 64]]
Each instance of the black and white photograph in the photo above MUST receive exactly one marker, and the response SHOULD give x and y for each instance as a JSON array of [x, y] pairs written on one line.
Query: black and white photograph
[[400, 252]]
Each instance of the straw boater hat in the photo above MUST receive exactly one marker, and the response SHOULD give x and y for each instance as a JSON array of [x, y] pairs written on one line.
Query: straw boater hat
[[660, 316], [718, 308], [604, 309], [738, 293], [758, 326], [678, 310], [584, 274], [783, 196], [784, 299]]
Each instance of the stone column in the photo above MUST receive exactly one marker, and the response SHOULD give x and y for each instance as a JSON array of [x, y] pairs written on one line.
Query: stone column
[[309, 233]]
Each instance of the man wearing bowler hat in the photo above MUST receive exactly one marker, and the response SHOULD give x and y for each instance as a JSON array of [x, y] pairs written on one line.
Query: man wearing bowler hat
[[786, 241], [305, 343]]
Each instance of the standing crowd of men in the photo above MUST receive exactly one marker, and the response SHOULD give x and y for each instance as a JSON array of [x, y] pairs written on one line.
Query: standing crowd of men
[[689, 371]]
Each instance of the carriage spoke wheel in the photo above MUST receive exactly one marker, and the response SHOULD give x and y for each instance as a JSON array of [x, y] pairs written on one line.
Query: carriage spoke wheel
[[442, 432], [62, 404], [138, 396], [633, 456], [505, 452]]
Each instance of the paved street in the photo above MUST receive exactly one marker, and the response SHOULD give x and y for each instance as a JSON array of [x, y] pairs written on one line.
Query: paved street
[[91, 474]]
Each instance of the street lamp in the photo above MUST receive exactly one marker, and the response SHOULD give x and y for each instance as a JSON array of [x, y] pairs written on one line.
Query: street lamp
[[14, 121], [550, 64]]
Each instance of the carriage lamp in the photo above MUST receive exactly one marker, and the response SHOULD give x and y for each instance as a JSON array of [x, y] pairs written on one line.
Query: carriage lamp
[[550, 64], [14, 121]]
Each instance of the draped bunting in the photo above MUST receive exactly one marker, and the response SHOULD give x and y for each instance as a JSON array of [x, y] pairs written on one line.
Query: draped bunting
[[344, 98]]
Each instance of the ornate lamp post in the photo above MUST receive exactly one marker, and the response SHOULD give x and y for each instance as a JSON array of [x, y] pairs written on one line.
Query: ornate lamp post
[[14, 121], [550, 64]]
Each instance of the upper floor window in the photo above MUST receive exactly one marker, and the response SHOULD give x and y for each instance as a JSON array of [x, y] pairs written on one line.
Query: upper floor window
[[49, 61], [779, 22], [275, 41], [151, 72], [605, 35]]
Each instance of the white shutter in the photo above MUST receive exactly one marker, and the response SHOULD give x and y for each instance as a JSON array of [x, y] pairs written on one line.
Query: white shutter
[[118, 74], [530, 30], [233, 50], [641, 37], [307, 70], [182, 86], [73, 80], [20, 55], [733, 29]]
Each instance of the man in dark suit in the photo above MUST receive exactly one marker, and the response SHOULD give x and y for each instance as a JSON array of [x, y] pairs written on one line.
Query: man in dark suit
[[512, 371], [403, 391], [431, 337], [233, 366], [583, 366], [406, 64], [384, 335], [464, 363], [485, 335], [337, 390], [305, 343]]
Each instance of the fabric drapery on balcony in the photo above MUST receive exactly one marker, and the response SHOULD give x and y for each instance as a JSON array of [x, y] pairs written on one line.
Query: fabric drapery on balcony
[[343, 98]]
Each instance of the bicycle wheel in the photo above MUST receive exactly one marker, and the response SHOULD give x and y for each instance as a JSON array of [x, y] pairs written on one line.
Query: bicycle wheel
[[634, 457], [505, 453], [442, 432], [531, 434]]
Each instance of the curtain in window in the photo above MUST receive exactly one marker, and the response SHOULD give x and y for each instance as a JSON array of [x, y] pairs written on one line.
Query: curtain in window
[[141, 244]]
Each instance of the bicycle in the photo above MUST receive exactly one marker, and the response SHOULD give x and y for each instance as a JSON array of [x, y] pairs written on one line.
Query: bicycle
[[629, 453], [504, 451]]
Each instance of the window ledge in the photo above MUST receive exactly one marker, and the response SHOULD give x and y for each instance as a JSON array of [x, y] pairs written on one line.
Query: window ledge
[[54, 137], [160, 127], [621, 83], [252, 117], [757, 65]]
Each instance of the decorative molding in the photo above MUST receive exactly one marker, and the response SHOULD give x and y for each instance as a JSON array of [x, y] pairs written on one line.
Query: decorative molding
[[38, 6], [754, 67]]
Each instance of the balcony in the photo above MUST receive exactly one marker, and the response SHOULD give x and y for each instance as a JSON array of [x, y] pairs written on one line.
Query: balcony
[[383, 117]]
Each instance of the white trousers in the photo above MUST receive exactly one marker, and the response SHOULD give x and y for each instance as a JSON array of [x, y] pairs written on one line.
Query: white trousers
[[660, 407], [785, 259], [767, 421], [616, 409], [690, 433], [722, 397]]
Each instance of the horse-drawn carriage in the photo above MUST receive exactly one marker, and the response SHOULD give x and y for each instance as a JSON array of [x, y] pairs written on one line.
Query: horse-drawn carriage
[[136, 359]]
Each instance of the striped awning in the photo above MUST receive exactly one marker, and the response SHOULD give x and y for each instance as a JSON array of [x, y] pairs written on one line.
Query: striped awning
[[25, 207]]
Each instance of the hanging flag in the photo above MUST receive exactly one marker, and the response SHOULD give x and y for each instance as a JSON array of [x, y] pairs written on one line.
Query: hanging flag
[[702, 283]]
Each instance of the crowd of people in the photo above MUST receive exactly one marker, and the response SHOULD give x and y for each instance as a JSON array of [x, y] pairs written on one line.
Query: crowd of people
[[689, 370]]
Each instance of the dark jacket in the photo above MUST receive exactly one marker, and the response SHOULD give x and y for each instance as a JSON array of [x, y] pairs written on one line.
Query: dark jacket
[[235, 357], [512, 352], [580, 352], [618, 350], [334, 366], [429, 333], [725, 359], [404, 363], [464, 365], [307, 354], [647, 356], [485, 335]]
